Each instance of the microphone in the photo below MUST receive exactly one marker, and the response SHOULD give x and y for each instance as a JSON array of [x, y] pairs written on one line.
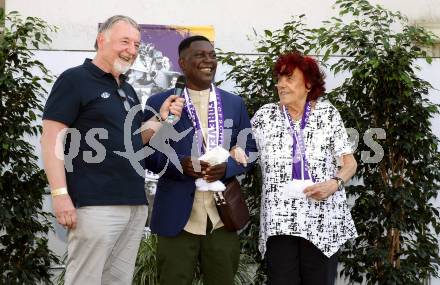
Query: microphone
[[179, 87]]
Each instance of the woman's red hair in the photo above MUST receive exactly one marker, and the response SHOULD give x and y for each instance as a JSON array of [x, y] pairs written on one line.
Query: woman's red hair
[[313, 75]]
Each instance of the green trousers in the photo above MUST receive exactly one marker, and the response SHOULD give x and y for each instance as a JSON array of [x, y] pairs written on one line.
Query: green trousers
[[217, 253]]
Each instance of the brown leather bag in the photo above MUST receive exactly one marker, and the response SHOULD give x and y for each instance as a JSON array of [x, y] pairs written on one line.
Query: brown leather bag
[[231, 206]]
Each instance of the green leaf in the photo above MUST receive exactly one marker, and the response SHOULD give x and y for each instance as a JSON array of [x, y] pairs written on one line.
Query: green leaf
[[380, 90], [24, 254]]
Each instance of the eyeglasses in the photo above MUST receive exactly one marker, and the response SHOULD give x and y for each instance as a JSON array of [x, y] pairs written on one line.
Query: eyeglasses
[[124, 99]]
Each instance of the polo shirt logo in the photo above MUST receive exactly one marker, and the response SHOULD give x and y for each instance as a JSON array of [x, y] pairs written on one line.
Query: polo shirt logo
[[131, 98], [105, 95]]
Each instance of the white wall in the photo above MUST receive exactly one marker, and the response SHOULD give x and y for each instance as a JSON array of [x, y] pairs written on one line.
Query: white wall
[[233, 20]]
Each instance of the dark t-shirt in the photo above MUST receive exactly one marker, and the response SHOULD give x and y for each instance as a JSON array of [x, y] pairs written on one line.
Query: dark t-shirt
[[86, 99]]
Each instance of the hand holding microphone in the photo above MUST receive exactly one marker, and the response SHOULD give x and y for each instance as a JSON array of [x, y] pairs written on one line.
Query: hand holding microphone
[[173, 105]]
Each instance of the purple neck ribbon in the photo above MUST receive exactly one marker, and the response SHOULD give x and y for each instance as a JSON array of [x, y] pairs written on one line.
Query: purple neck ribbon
[[300, 167], [215, 132]]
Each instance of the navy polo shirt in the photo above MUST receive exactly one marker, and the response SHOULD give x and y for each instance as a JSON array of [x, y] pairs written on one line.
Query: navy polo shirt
[[86, 99]]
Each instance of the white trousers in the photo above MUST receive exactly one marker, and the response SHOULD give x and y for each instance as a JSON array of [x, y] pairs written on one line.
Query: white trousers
[[103, 247]]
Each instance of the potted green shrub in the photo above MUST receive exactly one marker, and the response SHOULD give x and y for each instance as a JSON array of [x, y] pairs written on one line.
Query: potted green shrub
[[24, 255], [394, 212]]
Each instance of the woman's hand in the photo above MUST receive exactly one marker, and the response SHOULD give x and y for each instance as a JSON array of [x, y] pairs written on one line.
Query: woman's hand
[[322, 190], [238, 154]]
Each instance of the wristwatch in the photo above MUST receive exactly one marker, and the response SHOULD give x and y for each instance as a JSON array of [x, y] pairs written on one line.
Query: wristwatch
[[158, 118], [340, 182]]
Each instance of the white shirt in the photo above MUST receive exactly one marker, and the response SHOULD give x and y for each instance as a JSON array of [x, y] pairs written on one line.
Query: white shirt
[[327, 223], [204, 207]]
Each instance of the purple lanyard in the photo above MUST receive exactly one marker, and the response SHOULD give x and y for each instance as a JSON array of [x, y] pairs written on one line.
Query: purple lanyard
[[300, 167], [215, 131]]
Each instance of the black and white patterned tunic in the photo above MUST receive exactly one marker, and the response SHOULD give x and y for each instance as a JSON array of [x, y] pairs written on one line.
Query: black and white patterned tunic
[[327, 223]]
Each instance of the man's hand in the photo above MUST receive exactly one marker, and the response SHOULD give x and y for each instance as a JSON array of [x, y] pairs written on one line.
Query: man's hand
[[64, 211], [52, 148], [172, 105], [215, 172], [193, 167]]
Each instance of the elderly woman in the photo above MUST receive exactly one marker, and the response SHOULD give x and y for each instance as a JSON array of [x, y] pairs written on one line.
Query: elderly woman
[[305, 160]]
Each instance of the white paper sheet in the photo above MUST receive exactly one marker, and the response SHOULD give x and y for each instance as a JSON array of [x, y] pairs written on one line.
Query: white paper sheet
[[214, 156], [295, 188]]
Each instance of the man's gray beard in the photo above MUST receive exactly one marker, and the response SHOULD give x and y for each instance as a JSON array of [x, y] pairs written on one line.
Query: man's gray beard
[[121, 68]]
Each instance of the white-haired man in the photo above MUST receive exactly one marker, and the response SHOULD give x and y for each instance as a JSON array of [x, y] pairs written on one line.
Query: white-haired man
[[97, 193]]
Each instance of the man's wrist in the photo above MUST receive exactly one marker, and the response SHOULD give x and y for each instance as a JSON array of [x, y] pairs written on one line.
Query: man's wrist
[[158, 117], [153, 124], [59, 191]]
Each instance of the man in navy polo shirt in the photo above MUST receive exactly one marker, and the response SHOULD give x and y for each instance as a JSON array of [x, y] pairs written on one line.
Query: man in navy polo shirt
[[97, 193]]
